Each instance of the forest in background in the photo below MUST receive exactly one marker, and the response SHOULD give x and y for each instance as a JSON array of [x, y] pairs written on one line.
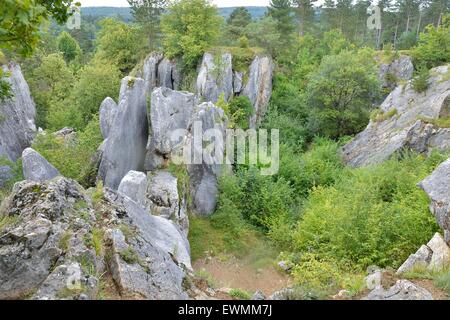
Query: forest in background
[[325, 91]]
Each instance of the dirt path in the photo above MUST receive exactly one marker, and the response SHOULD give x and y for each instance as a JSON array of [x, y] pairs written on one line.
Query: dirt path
[[234, 273]]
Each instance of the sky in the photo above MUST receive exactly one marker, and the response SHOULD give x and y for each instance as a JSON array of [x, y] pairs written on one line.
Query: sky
[[219, 3]]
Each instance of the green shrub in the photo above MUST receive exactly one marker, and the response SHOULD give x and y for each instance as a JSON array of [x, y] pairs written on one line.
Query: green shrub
[[378, 115], [373, 215], [240, 294], [420, 81]]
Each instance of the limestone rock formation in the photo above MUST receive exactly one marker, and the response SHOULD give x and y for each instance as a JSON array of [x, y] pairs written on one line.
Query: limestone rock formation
[[36, 167], [107, 113], [170, 110], [436, 186], [158, 71], [56, 244], [402, 290], [134, 186], [215, 77], [150, 71], [400, 69], [259, 87], [407, 120], [203, 177], [125, 147], [164, 199], [17, 119]]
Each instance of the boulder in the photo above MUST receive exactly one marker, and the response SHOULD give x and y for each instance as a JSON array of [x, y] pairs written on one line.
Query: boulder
[[33, 246], [170, 110], [108, 111], [259, 87], [134, 186], [390, 74], [436, 186], [416, 261], [203, 175], [165, 201], [258, 295], [440, 259], [36, 167], [125, 147], [215, 77], [402, 290], [17, 119], [374, 279], [405, 121]]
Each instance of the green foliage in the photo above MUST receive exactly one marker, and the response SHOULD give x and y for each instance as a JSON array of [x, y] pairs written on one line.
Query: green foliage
[[238, 111], [236, 23], [21, 21], [373, 215], [50, 83], [340, 94], [68, 46], [378, 115], [71, 158], [420, 81], [240, 294], [190, 27], [119, 44], [96, 82], [406, 41], [433, 48], [264, 33]]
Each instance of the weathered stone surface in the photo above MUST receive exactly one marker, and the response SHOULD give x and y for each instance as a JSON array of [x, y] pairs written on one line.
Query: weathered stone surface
[[203, 177], [108, 111], [134, 186], [436, 186], [416, 261], [407, 128], [150, 71], [283, 294], [42, 214], [17, 119], [402, 290], [168, 74], [440, 258], [153, 159], [164, 200], [259, 87], [125, 147], [36, 167], [170, 110], [400, 69], [238, 81], [374, 279], [258, 295], [215, 77]]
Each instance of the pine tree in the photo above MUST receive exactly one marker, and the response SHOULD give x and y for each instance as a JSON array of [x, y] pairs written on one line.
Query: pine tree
[[305, 14]]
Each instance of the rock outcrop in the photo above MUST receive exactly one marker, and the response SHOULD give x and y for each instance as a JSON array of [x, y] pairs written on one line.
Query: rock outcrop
[[125, 148], [399, 70], [107, 114], [58, 244], [406, 120], [17, 119], [402, 290], [436, 186], [36, 167], [215, 77], [158, 71], [259, 87], [134, 186], [203, 177]]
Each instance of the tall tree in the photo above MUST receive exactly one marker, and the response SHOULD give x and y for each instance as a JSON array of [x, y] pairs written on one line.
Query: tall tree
[[305, 14], [408, 11], [148, 14], [237, 21], [282, 12]]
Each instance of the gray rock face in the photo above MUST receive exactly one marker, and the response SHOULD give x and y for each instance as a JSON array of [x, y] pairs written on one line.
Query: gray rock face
[[134, 186], [436, 186], [36, 167], [203, 177], [170, 110], [125, 147], [47, 248], [400, 69], [419, 260], [407, 127], [168, 74], [215, 77], [150, 71], [259, 87], [164, 200], [45, 231], [17, 119], [238, 82], [108, 111], [440, 259], [402, 290]]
